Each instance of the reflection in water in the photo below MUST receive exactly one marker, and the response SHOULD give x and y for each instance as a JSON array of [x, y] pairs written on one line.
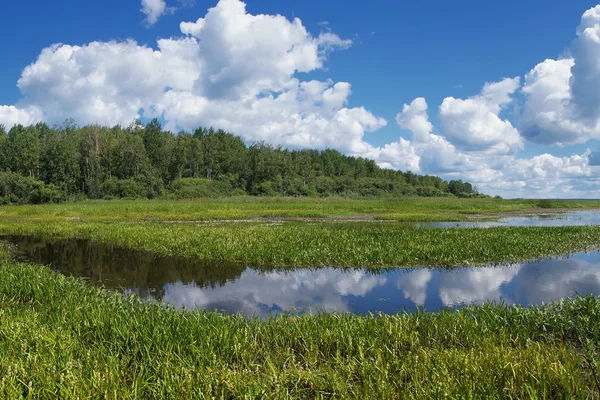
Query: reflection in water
[[414, 285], [232, 288], [301, 290], [118, 268], [574, 218], [475, 285]]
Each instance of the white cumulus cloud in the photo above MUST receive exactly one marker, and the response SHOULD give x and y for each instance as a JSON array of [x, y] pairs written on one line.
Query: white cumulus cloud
[[563, 96], [229, 69], [474, 124], [492, 165], [11, 115], [153, 9], [245, 73]]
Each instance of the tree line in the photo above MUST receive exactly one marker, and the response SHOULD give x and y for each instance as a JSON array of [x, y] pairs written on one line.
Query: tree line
[[41, 164]]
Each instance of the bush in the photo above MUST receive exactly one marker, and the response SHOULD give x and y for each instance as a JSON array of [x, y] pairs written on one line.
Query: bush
[[431, 191], [267, 188], [192, 188], [324, 185], [51, 194], [121, 188], [17, 189], [544, 204]]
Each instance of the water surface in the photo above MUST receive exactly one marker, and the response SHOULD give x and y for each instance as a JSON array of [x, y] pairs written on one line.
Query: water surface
[[234, 288], [572, 218]]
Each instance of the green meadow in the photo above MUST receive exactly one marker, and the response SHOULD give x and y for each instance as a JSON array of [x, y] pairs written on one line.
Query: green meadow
[[296, 244], [249, 207], [61, 337]]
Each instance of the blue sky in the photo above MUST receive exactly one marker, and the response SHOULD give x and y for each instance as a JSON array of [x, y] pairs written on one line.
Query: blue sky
[[399, 51]]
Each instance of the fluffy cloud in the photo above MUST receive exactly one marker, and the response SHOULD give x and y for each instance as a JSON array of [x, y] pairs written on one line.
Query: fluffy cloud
[[563, 96], [489, 166], [561, 106], [231, 69], [153, 9], [548, 116], [11, 115], [415, 119], [434, 153], [103, 82], [240, 72], [246, 54], [397, 155], [474, 124], [585, 78], [549, 175]]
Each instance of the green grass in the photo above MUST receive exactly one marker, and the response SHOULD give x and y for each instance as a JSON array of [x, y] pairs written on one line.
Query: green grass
[[5, 252], [405, 209], [326, 244], [62, 338]]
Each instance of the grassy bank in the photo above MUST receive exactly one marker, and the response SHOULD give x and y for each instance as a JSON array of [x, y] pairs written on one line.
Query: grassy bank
[[318, 244], [60, 337], [406, 209]]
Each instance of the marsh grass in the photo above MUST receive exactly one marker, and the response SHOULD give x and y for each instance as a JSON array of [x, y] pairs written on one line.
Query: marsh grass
[[63, 338], [326, 244], [404, 209], [6, 251], [60, 337]]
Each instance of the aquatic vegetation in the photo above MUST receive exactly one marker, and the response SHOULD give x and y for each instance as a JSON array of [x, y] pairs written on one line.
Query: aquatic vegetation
[[402, 209], [233, 288], [60, 337], [5, 251], [319, 244]]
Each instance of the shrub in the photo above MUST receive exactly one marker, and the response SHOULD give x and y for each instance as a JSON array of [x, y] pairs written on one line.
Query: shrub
[[191, 188], [18, 189], [121, 188]]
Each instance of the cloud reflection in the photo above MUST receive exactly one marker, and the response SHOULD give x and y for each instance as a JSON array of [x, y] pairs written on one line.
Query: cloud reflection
[[256, 294], [475, 285], [414, 285], [328, 289], [552, 280]]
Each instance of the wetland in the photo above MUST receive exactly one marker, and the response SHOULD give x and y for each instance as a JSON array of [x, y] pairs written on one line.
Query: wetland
[[233, 288], [105, 297]]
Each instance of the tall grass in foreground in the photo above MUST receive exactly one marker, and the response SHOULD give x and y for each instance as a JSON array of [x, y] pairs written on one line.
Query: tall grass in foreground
[[309, 244], [60, 337]]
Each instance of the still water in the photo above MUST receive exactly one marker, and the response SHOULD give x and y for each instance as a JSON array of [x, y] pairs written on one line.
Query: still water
[[573, 218], [234, 288]]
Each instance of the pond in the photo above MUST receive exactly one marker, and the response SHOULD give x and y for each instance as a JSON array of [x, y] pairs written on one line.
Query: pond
[[234, 288], [572, 218]]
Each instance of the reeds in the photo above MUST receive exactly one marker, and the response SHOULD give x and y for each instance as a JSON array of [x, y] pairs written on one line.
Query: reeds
[[326, 244], [60, 337], [402, 209]]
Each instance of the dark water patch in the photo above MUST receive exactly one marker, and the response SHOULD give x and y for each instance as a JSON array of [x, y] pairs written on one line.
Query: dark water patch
[[572, 218], [234, 288], [119, 268]]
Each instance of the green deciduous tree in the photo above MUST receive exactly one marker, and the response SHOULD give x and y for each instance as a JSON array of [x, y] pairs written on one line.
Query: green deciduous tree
[[68, 161]]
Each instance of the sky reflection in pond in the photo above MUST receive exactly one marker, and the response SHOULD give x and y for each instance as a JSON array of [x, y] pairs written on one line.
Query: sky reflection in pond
[[232, 288], [573, 218]]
